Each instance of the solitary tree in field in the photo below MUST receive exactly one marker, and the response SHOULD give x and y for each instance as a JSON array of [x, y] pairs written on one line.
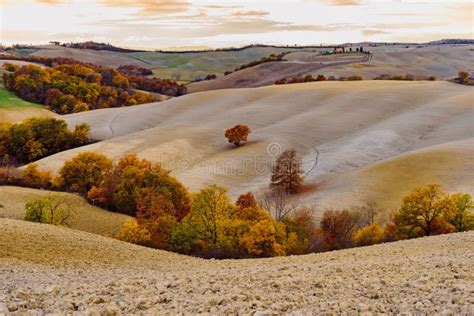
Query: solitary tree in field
[[237, 134], [287, 173]]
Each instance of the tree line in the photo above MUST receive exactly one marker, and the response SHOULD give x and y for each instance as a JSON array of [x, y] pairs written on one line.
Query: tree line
[[36, 138], [209, 224], [69, 86]]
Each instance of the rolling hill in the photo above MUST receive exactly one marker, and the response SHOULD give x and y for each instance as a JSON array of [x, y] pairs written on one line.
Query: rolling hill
[[297, 64], [441, 61], [361, 129], [84, 217], [59, 270]]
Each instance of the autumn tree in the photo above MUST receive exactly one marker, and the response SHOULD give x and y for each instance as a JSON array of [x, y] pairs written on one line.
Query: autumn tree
[[84, 171], [424, 212], [209, 206], [131, 179], [32, 177], [156, 212], [369, 235], [286, 174], [246, 200], [237, 134], [265, 239], [301, 232], [337, 227]]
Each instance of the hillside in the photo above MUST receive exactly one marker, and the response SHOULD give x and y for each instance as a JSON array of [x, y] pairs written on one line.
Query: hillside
[[296, 64], [441, 61], [84, 217], [12, 108], [61, 270], [358, 127], [103, 58]]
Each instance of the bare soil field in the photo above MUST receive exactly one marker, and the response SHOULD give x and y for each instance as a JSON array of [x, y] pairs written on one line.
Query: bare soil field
[[84, 216], [59, 270], [359, 128]]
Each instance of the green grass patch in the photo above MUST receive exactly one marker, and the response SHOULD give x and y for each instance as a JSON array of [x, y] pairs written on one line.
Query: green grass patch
[[10, 101]]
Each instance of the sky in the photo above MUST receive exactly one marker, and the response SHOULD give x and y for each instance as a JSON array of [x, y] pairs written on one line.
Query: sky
[[225, 23]]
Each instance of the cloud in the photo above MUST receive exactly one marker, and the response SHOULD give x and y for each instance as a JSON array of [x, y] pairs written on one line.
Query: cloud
[[150, 7], [251, 13], [342, 2], [218, 6], [373, 32]]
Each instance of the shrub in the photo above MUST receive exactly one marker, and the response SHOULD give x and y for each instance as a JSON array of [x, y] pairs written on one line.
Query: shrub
[[320, 78], [432, 78], [368, 235], [84, 171], [133, 233], [237, 134], [353, 78]]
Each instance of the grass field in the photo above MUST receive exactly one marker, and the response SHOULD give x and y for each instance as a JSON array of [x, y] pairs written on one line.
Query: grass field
[[10, 101]]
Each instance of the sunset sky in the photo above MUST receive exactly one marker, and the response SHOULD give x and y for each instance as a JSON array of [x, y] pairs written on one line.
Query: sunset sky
[[198, 23]]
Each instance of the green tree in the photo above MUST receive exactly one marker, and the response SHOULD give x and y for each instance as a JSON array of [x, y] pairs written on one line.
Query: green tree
[[462, 219], [54, 209]]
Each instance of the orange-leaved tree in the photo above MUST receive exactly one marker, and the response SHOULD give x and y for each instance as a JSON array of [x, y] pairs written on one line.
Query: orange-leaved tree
[[237, 134], [84, 171]]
